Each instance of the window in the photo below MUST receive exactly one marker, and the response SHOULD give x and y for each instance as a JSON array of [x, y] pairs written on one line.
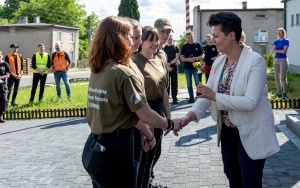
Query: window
[[260, 16], [292, 20], [58, 36], [297, 19], [72, 37], [261, 35]]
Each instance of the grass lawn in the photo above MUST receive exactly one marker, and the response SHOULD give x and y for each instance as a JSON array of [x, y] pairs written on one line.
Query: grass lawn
[[79, 94]]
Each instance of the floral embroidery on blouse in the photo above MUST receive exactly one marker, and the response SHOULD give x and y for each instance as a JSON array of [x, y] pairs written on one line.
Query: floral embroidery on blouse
[[224, 87]]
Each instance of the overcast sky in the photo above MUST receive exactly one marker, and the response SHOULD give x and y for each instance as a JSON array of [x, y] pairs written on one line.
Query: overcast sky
[[174, 10]]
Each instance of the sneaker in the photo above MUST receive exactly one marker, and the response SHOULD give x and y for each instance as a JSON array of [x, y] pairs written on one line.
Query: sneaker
[[2, 120], [157, 186], [175, 101], [191, 101], [277, 95], [284, 96]]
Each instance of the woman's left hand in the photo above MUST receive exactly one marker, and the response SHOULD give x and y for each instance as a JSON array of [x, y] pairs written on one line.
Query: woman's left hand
[[205, 92]]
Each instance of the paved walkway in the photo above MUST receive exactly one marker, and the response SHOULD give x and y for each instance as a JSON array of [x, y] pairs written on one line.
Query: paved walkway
[[47, 153]]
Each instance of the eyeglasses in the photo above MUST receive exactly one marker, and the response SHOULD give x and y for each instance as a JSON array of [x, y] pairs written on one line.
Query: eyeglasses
[[278, 33]]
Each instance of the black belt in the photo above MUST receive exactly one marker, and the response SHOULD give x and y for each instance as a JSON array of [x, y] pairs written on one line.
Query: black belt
[[116, 133]]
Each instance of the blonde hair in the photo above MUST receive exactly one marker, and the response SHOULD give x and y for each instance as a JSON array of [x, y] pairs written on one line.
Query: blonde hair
[[282, 30], [243, 37]]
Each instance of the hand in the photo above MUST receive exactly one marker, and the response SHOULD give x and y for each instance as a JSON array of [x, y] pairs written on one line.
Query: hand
[[41, 73], [176, 128], [184, 121], [191, 59], [152, 143], [169, 68], [145, 145], [205, 92]]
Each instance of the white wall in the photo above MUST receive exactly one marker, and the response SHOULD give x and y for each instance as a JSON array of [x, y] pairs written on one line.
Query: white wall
[[293, 36]]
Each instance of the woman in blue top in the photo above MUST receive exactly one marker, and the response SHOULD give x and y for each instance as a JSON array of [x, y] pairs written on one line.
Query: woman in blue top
[[280, 48]]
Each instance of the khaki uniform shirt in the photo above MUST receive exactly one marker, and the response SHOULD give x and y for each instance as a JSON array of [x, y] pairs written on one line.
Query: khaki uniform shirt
[[154, 72], [114, 94]]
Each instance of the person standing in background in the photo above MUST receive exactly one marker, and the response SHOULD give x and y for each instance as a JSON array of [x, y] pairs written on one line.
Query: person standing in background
[[211, 53], [61, 64], [4, 74], [280, 65], [191, 51], [41, 62], [172, 52], [15, 62]]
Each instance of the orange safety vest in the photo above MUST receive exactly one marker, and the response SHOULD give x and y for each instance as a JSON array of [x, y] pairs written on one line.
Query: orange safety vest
[[12, 64], [59, 62]]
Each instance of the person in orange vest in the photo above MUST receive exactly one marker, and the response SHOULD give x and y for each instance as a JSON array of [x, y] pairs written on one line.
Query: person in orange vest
[[61, 63], [4, 74], [15, 62], [41, 62]]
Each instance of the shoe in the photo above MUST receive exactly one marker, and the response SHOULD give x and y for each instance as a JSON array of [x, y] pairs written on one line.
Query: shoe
[[191, 101], [277, 95], [2, 120], [157, 186], [284, 96], [175, 102]]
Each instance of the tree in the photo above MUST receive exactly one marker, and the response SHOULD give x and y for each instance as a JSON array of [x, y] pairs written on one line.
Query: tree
[[9, 8], [130, 9], [181, 41]]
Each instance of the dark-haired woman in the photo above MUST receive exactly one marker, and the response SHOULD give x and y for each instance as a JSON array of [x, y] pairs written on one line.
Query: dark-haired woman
[[155, 74], [116, 102], [237, 93]]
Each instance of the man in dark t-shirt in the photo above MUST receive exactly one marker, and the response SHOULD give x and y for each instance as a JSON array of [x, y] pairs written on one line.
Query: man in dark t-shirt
[[4, 74], [191, 51], [172, 52], [211, 54]]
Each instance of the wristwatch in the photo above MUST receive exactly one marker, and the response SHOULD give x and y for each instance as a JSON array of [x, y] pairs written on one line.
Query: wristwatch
[[197, 59]]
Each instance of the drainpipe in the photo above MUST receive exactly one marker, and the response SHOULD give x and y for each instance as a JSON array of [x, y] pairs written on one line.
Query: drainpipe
[[284, 12]]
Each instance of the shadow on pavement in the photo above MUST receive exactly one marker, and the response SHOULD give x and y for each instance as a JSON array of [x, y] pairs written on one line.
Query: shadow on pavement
[[203, 134], [67, 122]]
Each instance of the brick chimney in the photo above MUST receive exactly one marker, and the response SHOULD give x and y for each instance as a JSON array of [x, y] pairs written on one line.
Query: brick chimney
[[244, 3]]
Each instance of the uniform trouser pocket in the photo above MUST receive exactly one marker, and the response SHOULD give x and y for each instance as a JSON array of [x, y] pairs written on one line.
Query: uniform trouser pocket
[[110, 161]]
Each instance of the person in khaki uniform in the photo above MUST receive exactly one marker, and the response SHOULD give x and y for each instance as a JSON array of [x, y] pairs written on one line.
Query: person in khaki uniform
[[115, 105], [154, 71]]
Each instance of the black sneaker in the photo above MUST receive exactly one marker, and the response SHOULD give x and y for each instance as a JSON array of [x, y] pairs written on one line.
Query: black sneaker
[[175, 101], [191, 101], [2, 120]]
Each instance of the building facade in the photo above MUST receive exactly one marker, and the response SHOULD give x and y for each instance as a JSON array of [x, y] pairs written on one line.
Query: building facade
[[259, 25], [29, 35], [293, 31]]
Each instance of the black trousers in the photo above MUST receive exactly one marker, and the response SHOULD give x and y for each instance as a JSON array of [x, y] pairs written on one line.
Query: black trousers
[[36, 78], [240, 169], [173, 84], [3, 98], [150, 158], [13, 82], [109, 159]]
